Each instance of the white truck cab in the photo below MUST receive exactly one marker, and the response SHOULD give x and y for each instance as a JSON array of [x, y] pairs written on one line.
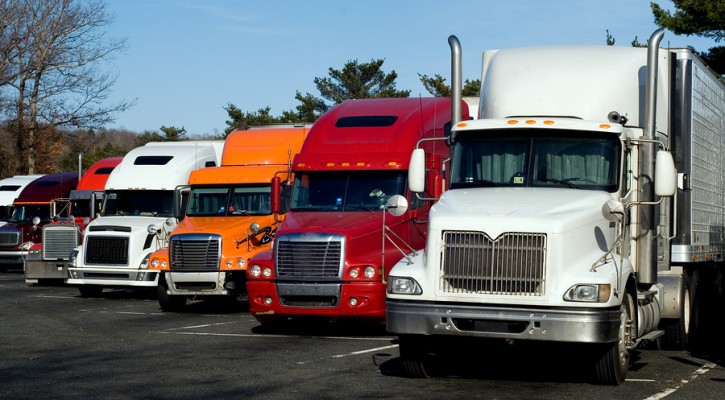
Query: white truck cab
[[144, 200]]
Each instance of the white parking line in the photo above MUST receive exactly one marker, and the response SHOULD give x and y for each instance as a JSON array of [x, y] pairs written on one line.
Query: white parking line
[[355, 353], [700, 371], [262, 335]]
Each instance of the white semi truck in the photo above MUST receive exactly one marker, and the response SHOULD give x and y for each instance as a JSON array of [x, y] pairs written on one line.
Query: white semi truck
[[144, 200], [585, 206]]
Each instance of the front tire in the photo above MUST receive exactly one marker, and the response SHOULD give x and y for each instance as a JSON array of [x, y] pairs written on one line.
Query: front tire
[[168, 302], [90, 290], [612, 366], [415, 356]]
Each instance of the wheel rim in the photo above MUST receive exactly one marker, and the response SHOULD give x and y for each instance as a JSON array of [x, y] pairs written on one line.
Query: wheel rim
[[625, 332]]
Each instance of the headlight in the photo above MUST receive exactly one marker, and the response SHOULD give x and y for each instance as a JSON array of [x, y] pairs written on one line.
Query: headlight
[[593, 293], [240, 263], [354, 273], [72, 257], [255, 271], [398, 285], [26, 246], [155, 262], [369, 272]]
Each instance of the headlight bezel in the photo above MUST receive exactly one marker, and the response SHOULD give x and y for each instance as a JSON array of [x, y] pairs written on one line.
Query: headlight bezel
[[403, 285]]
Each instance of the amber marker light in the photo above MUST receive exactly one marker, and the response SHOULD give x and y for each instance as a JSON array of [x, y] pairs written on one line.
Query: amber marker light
[[331, 164], [360, 164], [512, 122], [392, 163], [605, 126], [530, 122], [461, 124], [548, 122], [345, 164]]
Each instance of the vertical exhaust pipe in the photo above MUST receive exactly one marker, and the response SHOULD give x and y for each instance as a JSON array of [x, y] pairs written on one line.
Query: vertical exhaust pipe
[[647, 246], [80, 165], [456, 80]]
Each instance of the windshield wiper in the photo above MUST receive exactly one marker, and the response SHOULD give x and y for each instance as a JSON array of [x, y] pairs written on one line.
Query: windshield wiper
[[561, 182], [361, 207]]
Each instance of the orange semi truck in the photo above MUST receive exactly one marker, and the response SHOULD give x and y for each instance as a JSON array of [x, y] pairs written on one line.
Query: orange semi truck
[[228, 218]]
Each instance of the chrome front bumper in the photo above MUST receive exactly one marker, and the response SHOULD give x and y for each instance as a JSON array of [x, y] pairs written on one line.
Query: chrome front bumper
[[554, 324]]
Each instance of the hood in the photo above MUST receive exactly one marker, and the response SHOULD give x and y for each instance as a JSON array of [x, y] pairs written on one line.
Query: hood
[[498, 210], [348, 223], [122, 224], [218, 225]]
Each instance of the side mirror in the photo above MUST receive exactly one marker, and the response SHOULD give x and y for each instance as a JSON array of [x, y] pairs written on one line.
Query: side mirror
[[416, 171], [275, 195], [397, 205], [665, 174]]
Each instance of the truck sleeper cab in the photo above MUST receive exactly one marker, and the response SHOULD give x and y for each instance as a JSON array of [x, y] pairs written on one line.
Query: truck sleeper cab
[[563, 229], [32, 209], [48, 261], [332, 253], [143, 202], [229, 217]]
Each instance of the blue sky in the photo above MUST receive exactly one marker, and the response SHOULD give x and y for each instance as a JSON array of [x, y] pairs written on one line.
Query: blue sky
[[186, 59]]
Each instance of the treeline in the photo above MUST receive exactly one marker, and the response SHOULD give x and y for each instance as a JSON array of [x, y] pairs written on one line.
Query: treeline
[[53, 90]]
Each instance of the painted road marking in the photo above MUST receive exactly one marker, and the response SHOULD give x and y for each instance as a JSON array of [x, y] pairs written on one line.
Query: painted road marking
[[700, 371]]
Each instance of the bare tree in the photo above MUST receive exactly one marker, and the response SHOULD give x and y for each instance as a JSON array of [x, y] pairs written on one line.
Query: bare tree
[[59, 51]]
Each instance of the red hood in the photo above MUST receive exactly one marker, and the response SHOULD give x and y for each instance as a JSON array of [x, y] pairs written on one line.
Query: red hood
[[350, 224]]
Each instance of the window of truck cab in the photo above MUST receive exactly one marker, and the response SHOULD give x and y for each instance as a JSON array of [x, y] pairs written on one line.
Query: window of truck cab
[[229, 200], [149, 203], [536, 158], [348, 191]]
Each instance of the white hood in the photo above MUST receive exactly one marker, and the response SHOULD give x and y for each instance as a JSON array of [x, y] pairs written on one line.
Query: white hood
[[498, 210]]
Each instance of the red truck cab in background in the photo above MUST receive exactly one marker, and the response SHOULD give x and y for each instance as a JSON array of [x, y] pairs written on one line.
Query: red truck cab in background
[[332, 254], [47, 260], [32, 209]]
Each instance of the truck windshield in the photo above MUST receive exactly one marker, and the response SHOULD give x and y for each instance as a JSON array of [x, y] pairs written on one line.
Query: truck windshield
[[346, 191], [26, 213], [80, 207], [151, 203], [225, 200], [529, 158]]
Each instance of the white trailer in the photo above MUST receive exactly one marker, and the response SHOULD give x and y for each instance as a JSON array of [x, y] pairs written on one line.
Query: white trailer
[[585, 206], [10, 188], [143, 203]]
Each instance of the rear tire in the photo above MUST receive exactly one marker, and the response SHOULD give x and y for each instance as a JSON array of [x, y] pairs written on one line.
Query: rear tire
[[677, 331], [612, 366], [694, 331]]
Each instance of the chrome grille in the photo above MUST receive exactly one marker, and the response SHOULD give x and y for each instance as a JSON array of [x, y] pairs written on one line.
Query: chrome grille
[[195, 252], [107, 250], [512, 264], [59, 241], [309, 256], [10, 238]]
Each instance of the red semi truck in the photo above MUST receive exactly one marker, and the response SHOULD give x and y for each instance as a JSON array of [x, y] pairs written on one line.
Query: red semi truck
[[332, 253], [32, 209], [48, 260]]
